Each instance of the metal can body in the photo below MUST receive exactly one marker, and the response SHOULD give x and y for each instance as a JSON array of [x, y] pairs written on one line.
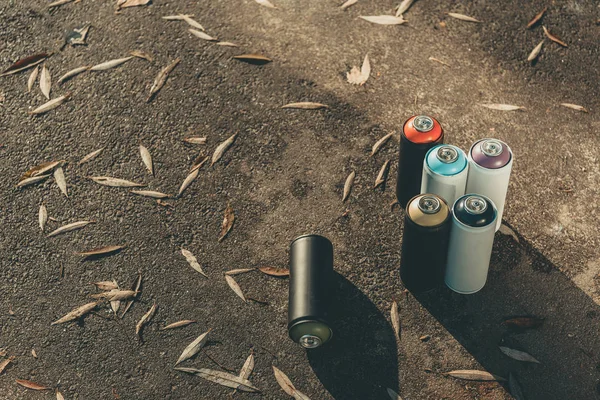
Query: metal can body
[[310, 286], [419, 134], [471, 239], [490, 165], [445, 171], [425, 243]]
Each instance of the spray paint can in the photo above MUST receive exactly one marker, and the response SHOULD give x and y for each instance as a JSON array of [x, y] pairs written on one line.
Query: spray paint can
[[471, 239], [311, 284], [425, 243], [419, 134], [445, 171], [490, 164]]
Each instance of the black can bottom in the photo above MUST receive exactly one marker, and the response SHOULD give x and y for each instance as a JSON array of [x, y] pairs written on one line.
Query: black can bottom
[[310, 334]]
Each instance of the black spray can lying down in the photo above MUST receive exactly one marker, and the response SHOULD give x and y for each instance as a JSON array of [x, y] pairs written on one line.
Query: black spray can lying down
[[311, 278], [427, 225]]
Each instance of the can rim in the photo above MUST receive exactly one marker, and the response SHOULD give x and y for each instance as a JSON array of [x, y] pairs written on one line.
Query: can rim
[[310, 235], [490, 202], [470, 155]]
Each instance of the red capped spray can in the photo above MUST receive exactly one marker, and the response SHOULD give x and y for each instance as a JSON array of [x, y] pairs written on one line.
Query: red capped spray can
[[419, 134]]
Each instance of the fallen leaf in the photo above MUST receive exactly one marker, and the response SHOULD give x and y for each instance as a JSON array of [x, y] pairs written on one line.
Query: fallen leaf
[[32, 180], [77, 36], [59, 3], [505, 230], [287, 385], [106, 285], [439, 61], [553, 38], [43, 217], [514, 387], [228, 220], [147, 159], [161, 78], [537, 18], [51, 105], [348, 4], [357, 77], [384, 19], [77, 313], [101, 251], [274, 271], [195, 140], [191, 259], [235, 287], [306, 105], [222, 148], [133, 3], [115, 295], [424, 338], [114, 182], [239, 271], [253, 59], [25, 63], [191, 22], [474, 375], [265, 3], [393, 395], [72, 73], [33, 353], [574, 107], [110, 64], [202, 35], [463, 17], [199, 162], [248, 367], [403, 7], [59, 395], [395, 317], [142, 55], [31, 385], [178, 17], [178, 324], [382, 176], [59, 177], [70, 227], [348, 186], [502, 107], [150, 193], [32, 78], [5, 363], [228, 44], [193, 348], [380, 143], [91, 156], [41, 169], [188, 180], [535, 52], [145, 320], [137, 283], [518, 355], [222, 378]]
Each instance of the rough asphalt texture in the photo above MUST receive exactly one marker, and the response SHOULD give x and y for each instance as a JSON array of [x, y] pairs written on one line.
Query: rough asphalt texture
[[284, 177]]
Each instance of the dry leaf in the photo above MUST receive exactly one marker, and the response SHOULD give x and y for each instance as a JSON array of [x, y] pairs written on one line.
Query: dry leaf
[[73, 73], [306, 105], [380, 143], [227, 44], [274, 271], [191, 259], [382, 176], [45, 82], [222, 148], [253, 59], [41, 169], [239, 271], [518, 355], [193, 348], [51, 105], [393, 395], [439, 61], [59, 177], [178, 17], [42, 217], [136, 288], [59, 395], [178, 324], [69, 227], [114, 182], [228, 220], [199, 162], [265, 3], [395, 317], [537, 18], [348, 4], [32, 180], [195, 140], [359, 77], [91, 156], [191, 22], [33, 353], [514, 387], [150, 193], [5, 363], [403, 7], [348, 185], [147, 159], [32, 78], [287, 385], [106, 285], [110, 64], [101, 251], [188, 180], [384, 19], [535, 52], [59, 3], [502, 107], [505, 230], [31, 385], [248, 367], [142, 54], [474, 375], [574, 107], [25, 63], [132, 3], [161, 78], [76, 313], [553, 38], [115, 295], [222, 378], [145, 320], [202, 35], [463, 17], [235, 287]]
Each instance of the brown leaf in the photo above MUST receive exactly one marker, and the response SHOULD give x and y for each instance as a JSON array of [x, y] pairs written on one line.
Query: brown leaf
[[31, 385], [59, 395], [32, 180], [150, 193], [191, 259], [188, 181], [393, 395], [287, 385], [5, 363], [574, 107], [348, 185], [463, 17], [348, 4], [76, 313], [161, 79], [395, 317], [537, 18], [59, 177], [100, 251], [199, 162], [145, 320], [305, 105], [383, 19], [535, 52], [502, 107], [115, 295], [147, 159], [553, 38], [228, 44], [114, 182], [382, 176], [239, 271], [202, 35], [274, 271], [380, 143], [58, 3], [25, 63], [222, 378], [135, 286], [106, 285], [474, 375], [518, 355], [50, 105], [132, 3], [195, 140], [32, 78], [45, 82], [178, 324], [42, 217], [253, 59], [193, 348], [359, 77], [403, 7], [70, 227], [439, 61], [228, 220], [235, 287], [41, 169], [265, 3], [222, 148], [523, 323], [90, 156], [110, 64], [142, 54]]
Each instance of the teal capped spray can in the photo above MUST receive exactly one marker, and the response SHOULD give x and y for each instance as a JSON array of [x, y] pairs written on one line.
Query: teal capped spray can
[[445, 171]]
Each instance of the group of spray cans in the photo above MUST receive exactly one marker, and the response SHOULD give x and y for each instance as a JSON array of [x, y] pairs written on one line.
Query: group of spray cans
[[453, 203]]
